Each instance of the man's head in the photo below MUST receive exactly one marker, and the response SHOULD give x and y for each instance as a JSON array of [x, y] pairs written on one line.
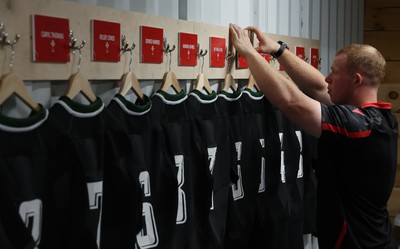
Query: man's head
[[357, 71], [366, 60]]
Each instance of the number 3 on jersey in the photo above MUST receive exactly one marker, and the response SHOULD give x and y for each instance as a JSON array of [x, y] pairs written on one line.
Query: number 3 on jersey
[[181, 213], [148, 236]]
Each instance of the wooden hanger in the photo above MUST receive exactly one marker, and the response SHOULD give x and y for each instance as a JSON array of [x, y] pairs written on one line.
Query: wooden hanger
[[229, 82], [10, 84], [78, 83], [202, 80], [129, 81], [203, 83], [252, 83], [170, 80]]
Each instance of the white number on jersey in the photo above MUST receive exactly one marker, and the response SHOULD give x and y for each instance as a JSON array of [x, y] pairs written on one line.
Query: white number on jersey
[[181, 214], [95, 191], [31, 215], [300, 170], [283, 173], [148, 236], [212, 152], [261, 187], [300, 138], [237, 188]]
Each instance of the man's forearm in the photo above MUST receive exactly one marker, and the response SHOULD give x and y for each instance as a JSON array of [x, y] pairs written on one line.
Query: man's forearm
[[304, 111], [308, 78]]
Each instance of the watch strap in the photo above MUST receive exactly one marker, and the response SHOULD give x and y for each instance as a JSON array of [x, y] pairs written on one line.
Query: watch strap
[[280, 50]]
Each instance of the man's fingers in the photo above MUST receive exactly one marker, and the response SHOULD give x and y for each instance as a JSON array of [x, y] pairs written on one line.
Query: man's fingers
[[235, 28], [232, 31], [238, 31]]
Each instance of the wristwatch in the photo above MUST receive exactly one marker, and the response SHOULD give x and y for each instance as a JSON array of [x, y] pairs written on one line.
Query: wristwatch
[[280, 50]]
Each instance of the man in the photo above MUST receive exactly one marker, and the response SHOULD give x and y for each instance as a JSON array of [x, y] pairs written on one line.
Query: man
[[357, 148]]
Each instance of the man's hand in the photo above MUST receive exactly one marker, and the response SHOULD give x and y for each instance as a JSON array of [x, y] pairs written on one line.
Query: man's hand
[[240, 40], [266, 45]]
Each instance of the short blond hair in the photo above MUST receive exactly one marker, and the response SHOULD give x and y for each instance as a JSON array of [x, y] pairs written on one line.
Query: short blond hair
[[366, 60]]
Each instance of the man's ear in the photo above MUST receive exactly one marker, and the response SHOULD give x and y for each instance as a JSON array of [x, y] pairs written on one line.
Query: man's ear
[[358, 79]]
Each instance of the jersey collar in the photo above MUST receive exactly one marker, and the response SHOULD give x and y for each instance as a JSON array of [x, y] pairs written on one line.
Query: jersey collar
[[34, 120]]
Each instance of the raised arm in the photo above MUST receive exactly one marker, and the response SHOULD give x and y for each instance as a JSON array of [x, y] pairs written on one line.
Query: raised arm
[[286, 96], [307, 78]]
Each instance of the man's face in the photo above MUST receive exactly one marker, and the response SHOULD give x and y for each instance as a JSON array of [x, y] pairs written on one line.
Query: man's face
[[340, 81]]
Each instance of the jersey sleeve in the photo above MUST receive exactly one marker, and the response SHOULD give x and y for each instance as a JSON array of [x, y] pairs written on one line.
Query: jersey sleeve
[[346, 120]]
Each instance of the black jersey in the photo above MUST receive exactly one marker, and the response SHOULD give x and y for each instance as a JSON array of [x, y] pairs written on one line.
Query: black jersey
[[259, 114], [85, 124], [243, 198], [14, 234], [206, 116], [309, 153], [355, 172], [122, 191], [191, 168], [286, 205], [155, 169], [40, 183]]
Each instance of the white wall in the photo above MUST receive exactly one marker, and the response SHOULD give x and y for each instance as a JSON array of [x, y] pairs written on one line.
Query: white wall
[[334, 22]]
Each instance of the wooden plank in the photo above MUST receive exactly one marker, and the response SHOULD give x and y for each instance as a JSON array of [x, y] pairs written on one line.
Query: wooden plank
[[386, 42], [391, 93], [392, 72], [394, 202], [398, 148], [397, 182], [382, 18], [382, 3]]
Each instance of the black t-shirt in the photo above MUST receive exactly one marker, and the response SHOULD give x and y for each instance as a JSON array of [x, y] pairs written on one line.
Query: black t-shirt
[[244, 140], [41, 182], [206, 116], [86, 127], [153, 166], [170, 113], [259, 114], [286, 195], [122, 192], [355, 172]]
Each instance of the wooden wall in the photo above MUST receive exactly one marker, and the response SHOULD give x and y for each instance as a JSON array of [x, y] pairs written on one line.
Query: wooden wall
[[382, 30]]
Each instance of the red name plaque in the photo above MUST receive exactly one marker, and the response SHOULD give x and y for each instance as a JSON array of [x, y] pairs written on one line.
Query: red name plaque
[[314, 53], [300, 52], [151, 44], [50, 39], [187, 49], [241, 62], [266, 57], [106, 41], [217, 52]]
